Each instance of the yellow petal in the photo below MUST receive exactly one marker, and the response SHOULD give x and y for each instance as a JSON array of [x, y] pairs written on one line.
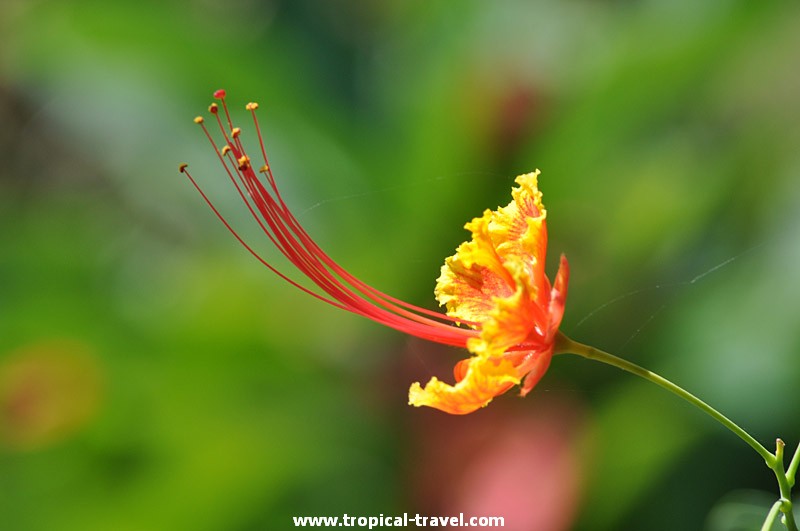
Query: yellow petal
[[516, 228], [486, 267], [474, 275], [485, 378]]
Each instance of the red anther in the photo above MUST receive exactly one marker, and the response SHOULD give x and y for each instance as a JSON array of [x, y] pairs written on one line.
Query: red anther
[[213, 108], [219, 94]]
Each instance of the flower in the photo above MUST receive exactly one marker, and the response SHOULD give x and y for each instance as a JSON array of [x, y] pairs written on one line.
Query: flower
[[496, 282], [500, 304]]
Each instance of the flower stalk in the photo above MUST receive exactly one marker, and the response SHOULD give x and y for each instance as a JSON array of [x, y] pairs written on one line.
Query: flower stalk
[[775, 462], [791, 472], [774, 511], [785, 486]]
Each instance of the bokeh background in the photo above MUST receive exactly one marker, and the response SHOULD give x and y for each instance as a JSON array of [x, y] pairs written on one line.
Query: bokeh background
[[153, 376]]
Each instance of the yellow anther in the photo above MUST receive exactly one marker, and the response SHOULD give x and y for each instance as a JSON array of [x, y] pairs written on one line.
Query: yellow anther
[[213, 108], [235, 132], [226, 150], [264, 169], [244, 162], [198, 120], [182, 167], [251, 106]]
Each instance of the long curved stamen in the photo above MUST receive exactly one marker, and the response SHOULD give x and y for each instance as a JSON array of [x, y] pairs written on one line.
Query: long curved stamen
[[343, 290]]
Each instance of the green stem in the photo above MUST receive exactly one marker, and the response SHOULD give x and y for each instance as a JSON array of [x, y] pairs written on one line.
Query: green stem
[[774, 461], [566, 345], [785, 488], [772, 515], [791, 472]]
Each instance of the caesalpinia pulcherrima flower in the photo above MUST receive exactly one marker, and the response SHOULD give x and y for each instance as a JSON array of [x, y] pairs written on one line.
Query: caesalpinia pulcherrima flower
[[500, 304]]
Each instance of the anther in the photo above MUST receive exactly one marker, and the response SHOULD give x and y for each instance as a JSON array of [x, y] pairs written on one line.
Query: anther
[[219, 94], [264, 169], [198, 120], [226, 149], [182, 167], [213, 108], [244, 162], [251, 106], [235, 132]]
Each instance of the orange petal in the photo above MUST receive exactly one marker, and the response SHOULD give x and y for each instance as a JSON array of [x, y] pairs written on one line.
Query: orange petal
[[485, 378], [537, 366], [460, 369], [558, 297]]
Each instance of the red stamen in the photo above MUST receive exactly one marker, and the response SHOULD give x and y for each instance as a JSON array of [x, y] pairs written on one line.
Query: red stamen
[[343, 290]]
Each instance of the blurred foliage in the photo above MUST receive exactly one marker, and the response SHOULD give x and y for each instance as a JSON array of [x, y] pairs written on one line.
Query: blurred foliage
[[153, 376]]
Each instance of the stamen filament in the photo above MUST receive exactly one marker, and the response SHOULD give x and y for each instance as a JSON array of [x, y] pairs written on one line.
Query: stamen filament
[[343, 290]]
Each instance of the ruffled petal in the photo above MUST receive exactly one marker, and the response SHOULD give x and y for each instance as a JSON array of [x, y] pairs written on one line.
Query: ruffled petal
[[484, 379], [474, 276], [487, 267], [518, 229]]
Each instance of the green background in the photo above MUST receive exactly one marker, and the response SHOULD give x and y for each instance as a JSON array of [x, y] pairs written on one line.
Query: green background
[[153, 376]]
